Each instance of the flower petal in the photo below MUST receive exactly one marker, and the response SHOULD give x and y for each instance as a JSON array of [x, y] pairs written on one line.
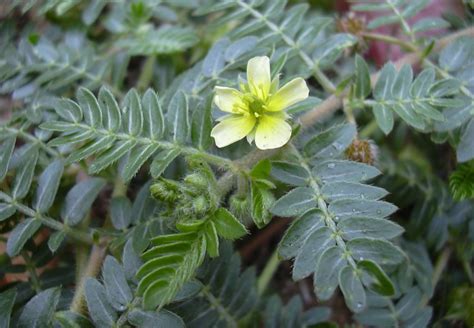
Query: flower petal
[[232, 129], [259, 77], [229, 100], [272, 132], [294, 91]]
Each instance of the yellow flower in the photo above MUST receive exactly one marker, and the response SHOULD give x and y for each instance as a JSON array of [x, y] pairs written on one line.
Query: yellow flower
[[257, 110]]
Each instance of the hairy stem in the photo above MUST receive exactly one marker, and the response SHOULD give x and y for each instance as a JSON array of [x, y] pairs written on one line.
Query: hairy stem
[[92, 269]]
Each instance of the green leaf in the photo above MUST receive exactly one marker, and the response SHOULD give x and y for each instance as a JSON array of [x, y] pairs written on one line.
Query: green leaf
[[6, 210], [408, 114], [421, 319], [6, 151], [179, 263], [350, 208], [385, 82], [378, 250], [214, 61], [297, 233], [178, 117], [100, 309], [261, 170], [350, 190], [408, 305], [55, 240], [369, 227], [7, 300], [294, 203], [330, 50], [90, 107], [162, 160], [331, 171], [149, 319], [79, 200], [327, 271], [461, 182], [20, 235], [212, 240], [120, 212], [92, 11], [351, 287], [289, 173], [201, 127], [98, 145], [164, 40], [401, 86], [112, 111], [155, 294], [131, 261], [68, 110], [25, 172], [133, 113], [118, 292], [111, 156], [73, 138], [423, 82], [331, 142], [227, 225], [465, 148], [138, 157], [261, 201], [455, 55], [38, 312], [154, 122], [384, 117], [314, 244], [48, 184], [382, 283], [362, 86], [69, 319]]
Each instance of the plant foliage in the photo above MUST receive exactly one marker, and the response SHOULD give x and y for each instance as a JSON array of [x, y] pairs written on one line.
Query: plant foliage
[[118, 210]]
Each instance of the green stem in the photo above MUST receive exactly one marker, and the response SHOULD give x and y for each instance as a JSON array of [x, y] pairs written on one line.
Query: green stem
[[32, 139], [146, 74], [403, 21], [30, 266], [369, 129], [268, 272], [440, 265], [223, 312], [82, 236], [390, 39], [210, 158], [124, 316], [467, 268]]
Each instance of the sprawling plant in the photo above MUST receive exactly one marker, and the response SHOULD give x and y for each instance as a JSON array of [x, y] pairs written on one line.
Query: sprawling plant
[[236, 163]]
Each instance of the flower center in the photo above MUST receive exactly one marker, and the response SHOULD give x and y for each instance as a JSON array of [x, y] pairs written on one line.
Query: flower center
[[256, 106]]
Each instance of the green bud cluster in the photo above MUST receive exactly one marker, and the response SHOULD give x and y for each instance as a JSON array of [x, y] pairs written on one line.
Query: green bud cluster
[[194, 197]]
